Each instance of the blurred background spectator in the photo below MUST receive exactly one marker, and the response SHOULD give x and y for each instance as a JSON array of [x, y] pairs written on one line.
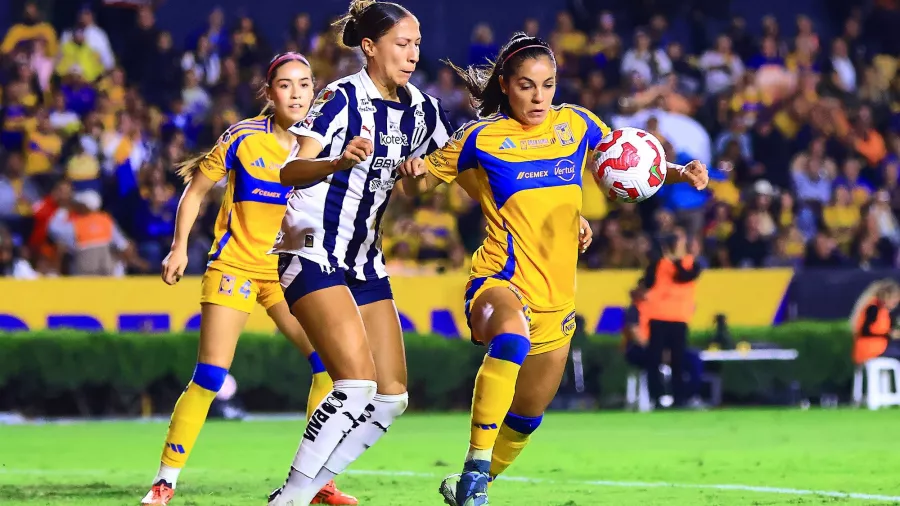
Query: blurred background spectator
[[798, 119]]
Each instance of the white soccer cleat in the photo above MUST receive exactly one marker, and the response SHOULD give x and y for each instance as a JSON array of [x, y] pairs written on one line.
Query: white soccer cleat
[[276, 498]]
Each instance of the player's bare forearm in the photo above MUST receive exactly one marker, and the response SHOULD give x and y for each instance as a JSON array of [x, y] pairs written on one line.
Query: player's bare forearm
[[189, 208], [694, 173], [301, 172], [413, 187]]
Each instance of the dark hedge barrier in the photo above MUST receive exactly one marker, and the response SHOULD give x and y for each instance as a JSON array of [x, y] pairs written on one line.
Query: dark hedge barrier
[[69, 373]]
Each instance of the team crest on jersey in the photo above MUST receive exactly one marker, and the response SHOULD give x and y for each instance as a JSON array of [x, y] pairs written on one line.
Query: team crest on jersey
[[564, 134], [324, 97], [226, 286], [568, 324]]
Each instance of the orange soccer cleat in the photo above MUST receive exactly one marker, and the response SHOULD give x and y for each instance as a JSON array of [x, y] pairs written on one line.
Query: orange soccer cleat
[[331, 495], [160, 494]]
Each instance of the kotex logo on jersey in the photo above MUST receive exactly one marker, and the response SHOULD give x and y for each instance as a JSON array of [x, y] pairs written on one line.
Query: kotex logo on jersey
[[393, 139]]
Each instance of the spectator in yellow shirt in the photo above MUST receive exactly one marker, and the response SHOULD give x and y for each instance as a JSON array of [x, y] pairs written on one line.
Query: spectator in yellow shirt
[[42, 147], [29, 29], [77, 53], [18, 116], [568, 41], [842, 216], [438, 232]]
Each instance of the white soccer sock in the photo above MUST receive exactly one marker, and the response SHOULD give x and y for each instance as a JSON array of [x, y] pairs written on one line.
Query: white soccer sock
[[167, 473], [329, 423], [363, 437]]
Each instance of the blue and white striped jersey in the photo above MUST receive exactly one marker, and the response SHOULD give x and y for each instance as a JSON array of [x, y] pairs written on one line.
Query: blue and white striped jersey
[[337, 221]]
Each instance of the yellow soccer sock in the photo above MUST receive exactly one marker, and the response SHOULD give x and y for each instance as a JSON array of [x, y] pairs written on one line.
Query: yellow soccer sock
[[512, 438], [495, 386], [321, 384], [190, 414]]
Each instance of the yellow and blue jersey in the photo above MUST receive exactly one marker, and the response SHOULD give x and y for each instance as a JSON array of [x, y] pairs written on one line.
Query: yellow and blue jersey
[[528, 181], [249, 156]]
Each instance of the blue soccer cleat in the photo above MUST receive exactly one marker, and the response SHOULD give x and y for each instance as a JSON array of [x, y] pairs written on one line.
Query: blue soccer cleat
[[471, 486]]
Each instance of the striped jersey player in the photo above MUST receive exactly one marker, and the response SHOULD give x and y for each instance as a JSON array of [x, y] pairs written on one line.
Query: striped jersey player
[[336, 221]]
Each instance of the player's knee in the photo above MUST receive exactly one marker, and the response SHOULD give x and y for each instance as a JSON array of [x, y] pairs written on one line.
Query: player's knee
[[394, 404], [522, 424], [209, 377], [510, 347], [394, 387]]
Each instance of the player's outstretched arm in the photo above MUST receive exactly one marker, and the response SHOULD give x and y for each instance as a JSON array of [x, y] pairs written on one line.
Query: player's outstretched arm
[[303, 168], [188, 208], [416, 178], [694, 173]]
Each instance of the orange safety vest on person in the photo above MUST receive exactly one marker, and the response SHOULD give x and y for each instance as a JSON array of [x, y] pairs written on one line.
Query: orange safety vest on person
[[875, 341], [667, 300], [93, 230]]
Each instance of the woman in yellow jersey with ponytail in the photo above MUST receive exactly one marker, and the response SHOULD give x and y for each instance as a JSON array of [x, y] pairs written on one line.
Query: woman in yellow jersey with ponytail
[[522, 160], [239, 273]]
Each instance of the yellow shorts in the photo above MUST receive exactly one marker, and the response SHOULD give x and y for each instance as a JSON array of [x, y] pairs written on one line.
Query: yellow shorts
[[230, 289], [548, 330]]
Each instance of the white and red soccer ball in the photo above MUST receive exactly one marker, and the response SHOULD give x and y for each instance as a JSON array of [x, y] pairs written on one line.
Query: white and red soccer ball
[[629, 164]]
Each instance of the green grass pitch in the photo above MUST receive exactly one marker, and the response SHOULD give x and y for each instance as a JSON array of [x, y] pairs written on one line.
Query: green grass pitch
[[730, 457]]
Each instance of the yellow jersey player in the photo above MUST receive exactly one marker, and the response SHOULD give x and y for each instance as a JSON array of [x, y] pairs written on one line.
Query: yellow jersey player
[[240, 273], [523, 162]]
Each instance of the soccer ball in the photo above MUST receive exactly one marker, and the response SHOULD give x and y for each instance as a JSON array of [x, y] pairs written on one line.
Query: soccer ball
[[629, 164]]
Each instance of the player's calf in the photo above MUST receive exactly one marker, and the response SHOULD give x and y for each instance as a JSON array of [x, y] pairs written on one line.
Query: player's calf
[[348, 405], [188, 418], [512, 438], [495, 386]]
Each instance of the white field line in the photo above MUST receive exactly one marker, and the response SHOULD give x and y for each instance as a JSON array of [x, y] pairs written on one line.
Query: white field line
[[656, 484], [590, 483]]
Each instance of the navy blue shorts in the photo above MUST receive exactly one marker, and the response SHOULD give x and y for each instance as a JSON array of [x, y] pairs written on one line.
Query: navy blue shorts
[[300, 276]]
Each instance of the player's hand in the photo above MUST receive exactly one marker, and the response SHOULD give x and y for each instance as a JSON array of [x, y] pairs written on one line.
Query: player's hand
[[412, 167], [356, 152], [585, 235], [173, 266], [696, 174]]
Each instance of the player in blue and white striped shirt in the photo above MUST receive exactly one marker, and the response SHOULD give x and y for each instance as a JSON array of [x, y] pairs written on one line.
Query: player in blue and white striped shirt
[[332, 268]]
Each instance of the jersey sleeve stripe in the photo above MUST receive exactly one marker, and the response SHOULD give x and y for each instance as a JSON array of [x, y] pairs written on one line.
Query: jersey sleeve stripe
[[594, 130], [468, 158], [223, 241], [328, 119], [231, 157]]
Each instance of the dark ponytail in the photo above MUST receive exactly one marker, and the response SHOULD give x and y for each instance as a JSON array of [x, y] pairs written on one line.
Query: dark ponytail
[[369, 19], [483, 81]]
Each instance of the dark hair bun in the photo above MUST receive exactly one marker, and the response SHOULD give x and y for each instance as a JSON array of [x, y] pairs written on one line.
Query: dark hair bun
[[350, 36]]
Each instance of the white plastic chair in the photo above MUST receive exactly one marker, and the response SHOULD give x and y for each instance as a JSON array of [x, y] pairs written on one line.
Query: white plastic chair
[[881, 389]]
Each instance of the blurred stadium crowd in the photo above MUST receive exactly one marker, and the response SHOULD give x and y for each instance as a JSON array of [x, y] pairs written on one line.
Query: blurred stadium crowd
[[803, 137]]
